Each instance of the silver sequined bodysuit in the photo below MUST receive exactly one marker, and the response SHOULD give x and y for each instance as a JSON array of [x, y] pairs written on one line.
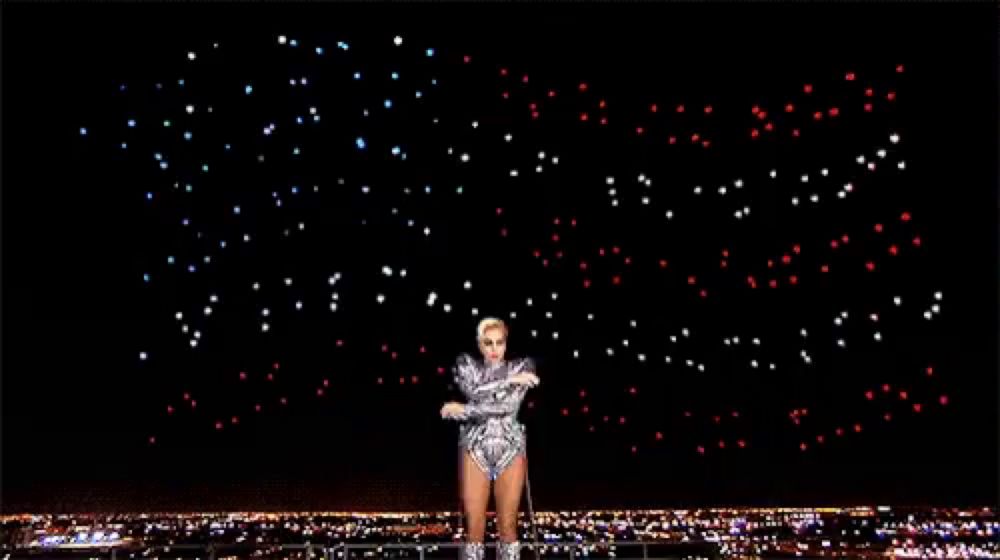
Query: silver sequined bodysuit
[[490, 431]]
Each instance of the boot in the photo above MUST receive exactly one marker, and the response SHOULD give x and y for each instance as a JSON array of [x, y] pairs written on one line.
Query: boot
[[473, 551], [509, 550]]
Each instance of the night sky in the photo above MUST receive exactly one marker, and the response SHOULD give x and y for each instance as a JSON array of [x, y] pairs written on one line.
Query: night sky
[[751, 248]]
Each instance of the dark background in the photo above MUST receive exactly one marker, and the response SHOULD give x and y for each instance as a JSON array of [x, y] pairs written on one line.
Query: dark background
[[78, 407]]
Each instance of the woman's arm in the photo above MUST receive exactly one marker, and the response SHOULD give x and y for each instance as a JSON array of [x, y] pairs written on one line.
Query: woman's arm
[[508, 406]]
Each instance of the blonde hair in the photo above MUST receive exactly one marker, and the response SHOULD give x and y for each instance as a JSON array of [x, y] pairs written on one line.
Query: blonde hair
[[490, 323]]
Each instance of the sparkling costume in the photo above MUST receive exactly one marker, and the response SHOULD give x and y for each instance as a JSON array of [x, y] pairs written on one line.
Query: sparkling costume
[[490, 431]]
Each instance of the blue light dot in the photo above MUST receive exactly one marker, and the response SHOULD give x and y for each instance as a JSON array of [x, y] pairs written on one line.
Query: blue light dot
[[388, 105], [163, 165], [228, 147], [360, 143], [170, 259], [180, 82], [357, 75], [419, 94], [187, 188], [122, 87], [166, 124], [236, 210], [296, 151], [158, 156], [149, 196], [186, 221], [298, 120], [434, 82], [342, 45], [146, 277], [131, 123], [319, 50], [191, 268], [187, 135], [124, 145], [294, 42], [204, 168], [295, 190], [83, 131], [395, 75], [430, 52], [248, 89], [396, 150]]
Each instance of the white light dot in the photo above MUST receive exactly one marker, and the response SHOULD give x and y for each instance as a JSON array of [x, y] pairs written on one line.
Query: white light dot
[[897, 300], [386, 270], [447, 308], [143, 355], [397, 40], [265, 327], [609, 180], [380, 298], [938, 296], [877, 335], [475, 311], [894, 138], [208, 310], [333, 306]]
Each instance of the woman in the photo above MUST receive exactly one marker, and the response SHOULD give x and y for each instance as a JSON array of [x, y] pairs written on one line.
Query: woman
[[491, 440]]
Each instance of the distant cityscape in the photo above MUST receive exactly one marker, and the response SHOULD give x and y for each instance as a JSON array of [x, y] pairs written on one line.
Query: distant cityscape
[[858, 532]]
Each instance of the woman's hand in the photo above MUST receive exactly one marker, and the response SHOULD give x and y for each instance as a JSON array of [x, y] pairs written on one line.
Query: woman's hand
[[526, 378], [452, 409]]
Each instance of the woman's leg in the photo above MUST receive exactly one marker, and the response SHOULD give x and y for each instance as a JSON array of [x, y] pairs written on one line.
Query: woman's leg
[[507, 491], [475, 497]]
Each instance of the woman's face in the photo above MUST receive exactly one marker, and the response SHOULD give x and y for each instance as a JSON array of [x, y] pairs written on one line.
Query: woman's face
[[493, 344]]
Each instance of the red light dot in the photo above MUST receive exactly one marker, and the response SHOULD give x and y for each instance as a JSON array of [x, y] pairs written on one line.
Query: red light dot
[[870, 395], [663, 263], [586, 283], [722, 444], [604, 120], [869, 92], [692, 280], [584, 117], [503, 71], [672, 140], [257, 407], [466, 59], [755, 109], [583, 266], [602, 104], [555, 237], [565, 412], [839, 431], [834, 111], [930, 370], [505, 95], [708, 109], [653, 107], [754, 133], [616, 250], [187, 396], [803, 446], [545, 262], [218, 425], [524, 79], [284, 400], [687, 413], [572, 222], [583, 87], [870, 266], [850, 76], [905, 216], [270, 377], [857, 428], [893, 250], [903, 395], [899, 69], [152, 439], [319, 392], [741, 443], [769, 127], [680, 108], [700, 449], [628, 260], [796, 133], [638, 130], [634, 449], [616, 280], [243, 376], [621, 419], [818, 115], [695, 137], [552, 93], [585, 409], [943, 400], [394, 355], [891, 96], [583, 394], [807, 88], [632, 390], [885, 388], [170, 409], [789, 108], [916, 241], [887, 417], [340, 342], [194, 403], [820, 438], [868, 107], [917, 407], [379, 381]]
